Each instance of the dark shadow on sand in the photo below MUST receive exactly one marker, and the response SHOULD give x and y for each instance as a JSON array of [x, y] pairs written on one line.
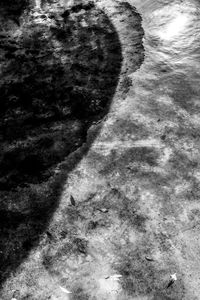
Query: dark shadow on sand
[[58, 80]]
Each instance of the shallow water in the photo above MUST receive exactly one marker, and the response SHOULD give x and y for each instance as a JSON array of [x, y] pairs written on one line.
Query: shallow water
[[165, 100], [160, 119], [172, 33]]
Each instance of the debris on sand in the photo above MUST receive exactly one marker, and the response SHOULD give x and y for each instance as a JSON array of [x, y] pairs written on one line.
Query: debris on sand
[[49, 235], [72, 200], [172, 280], [115, 277], [148, 258], [103, 210], [65, 290]]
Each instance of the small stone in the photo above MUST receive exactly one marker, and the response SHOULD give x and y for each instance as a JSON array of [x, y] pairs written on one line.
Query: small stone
[[116, 277], [173, 277], [56, 171]]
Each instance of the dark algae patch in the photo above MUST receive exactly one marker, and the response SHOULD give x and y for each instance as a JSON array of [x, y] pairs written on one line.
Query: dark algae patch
[[56, 81], [58, 77], [60, 70]]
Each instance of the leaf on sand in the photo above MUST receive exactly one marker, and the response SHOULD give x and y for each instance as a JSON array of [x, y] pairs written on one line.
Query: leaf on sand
[[72, 200], [103, 210], [65, 290], [149, 258]]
